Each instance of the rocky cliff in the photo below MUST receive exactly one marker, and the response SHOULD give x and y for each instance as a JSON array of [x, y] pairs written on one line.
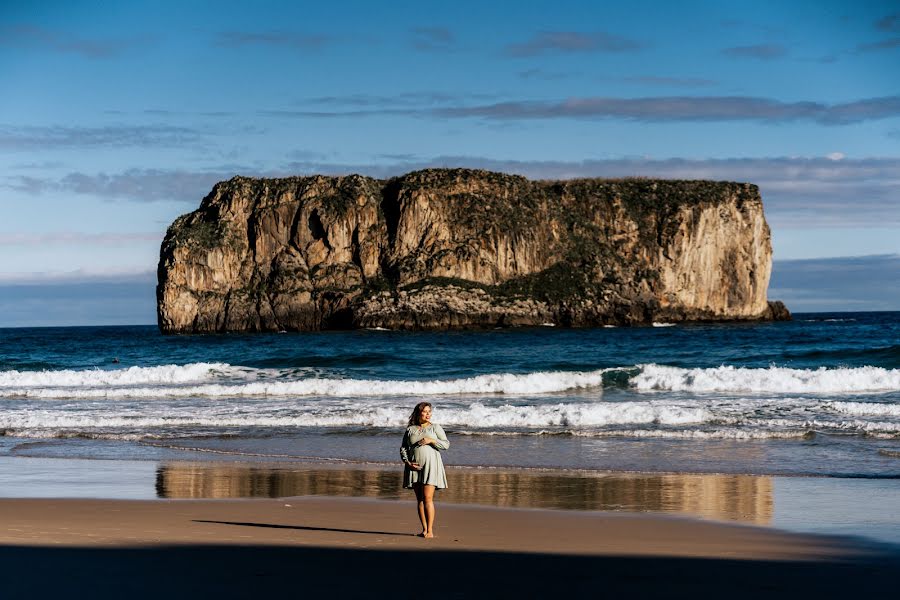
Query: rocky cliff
[[438, 249]]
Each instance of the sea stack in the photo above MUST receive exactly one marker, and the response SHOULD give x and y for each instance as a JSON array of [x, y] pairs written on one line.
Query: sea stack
[[459, 248]]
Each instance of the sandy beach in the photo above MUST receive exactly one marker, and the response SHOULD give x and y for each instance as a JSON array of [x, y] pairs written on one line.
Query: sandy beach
[[321, 545]]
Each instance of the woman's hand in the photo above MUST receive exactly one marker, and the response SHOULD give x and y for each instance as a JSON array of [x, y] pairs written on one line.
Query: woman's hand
[[414, 466], [426, 441]]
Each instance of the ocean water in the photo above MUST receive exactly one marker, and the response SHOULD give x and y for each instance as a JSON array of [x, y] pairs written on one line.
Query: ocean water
[[819, 395]]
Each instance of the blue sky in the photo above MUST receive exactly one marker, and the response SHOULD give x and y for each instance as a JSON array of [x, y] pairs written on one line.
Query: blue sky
[[116, 117]]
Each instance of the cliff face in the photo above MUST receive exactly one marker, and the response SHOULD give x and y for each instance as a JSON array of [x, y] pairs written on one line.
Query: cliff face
[[461, 248]]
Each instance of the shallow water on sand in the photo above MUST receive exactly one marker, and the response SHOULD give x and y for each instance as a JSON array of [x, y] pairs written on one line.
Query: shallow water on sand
[[847, 507]]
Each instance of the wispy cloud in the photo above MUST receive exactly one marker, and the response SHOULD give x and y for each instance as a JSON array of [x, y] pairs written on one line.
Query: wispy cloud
[[546, 42], [287, 39], [16, 137], [757, 51], [406, 99], [76, 238], [835, 284], [648, 109], [798, 192], [685, 108], [141, 185], [433, 39], [831, 191], [31, 36], [79, 276], [889, 44], [889, 23], [77, 298], [543, 75], [688, 82]]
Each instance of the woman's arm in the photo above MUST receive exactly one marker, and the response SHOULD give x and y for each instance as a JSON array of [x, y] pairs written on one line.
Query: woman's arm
[[441, 442], [404, 453]]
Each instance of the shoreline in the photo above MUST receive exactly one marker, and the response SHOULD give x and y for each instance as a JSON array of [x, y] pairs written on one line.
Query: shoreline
[[813, 505]]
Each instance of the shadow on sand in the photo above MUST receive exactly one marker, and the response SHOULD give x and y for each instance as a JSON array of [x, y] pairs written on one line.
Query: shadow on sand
[[256, 572], [304, 528]]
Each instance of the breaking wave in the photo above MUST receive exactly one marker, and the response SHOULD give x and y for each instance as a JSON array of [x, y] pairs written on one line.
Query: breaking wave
[[172, 381], [771, 379], [161, 375]]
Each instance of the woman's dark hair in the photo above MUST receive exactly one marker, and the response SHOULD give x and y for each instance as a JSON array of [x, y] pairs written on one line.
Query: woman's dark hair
[[417, 412]]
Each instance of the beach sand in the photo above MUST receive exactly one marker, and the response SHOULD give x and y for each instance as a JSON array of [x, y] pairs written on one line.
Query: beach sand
[[316, 546]]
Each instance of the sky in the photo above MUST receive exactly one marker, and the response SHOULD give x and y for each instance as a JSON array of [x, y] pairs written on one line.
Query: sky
[[117, 117]]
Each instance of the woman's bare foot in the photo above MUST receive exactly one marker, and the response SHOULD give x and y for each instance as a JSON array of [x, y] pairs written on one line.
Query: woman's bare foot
[[428, 535]]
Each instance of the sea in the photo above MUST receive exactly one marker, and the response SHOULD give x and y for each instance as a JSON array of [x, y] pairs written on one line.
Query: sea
[[816, 396]]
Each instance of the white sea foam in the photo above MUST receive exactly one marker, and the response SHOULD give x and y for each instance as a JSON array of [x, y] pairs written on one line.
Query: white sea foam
[[165, 374], [657, 324], [475, 415], [574, 415], [501, 383], [698, 434], [865, 408], [771, 379]]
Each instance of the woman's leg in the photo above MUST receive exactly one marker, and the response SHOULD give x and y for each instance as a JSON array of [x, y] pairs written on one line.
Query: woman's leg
[[428, 496], [420, 501]]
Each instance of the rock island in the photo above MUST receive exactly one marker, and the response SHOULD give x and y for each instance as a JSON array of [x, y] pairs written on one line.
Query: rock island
[[460, 248]]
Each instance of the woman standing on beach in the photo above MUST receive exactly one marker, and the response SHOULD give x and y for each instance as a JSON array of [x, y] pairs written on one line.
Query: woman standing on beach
[[423, 469]]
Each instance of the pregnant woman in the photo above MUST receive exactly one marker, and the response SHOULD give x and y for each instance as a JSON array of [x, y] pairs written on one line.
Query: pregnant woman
[[423, 468]]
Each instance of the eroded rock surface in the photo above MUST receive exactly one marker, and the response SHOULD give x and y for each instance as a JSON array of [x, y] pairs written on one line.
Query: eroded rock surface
[[456, 248]]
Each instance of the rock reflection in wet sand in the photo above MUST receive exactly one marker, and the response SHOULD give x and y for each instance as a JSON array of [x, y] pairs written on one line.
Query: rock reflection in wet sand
[[746, 498]]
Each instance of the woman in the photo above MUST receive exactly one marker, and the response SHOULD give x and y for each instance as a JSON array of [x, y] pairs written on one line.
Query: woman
[[423, 469]]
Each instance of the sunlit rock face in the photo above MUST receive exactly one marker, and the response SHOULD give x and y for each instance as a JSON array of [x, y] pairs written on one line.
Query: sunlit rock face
[[457, 248]]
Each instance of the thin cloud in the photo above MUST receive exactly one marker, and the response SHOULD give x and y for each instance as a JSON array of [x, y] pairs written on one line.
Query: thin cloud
[[689, 82], [77, 298], [798, 192], [286, 39], [684, 108], [757, 51], [862, 110], [648, 109], [406, 99], [76, 238], [832, 284], [759, 28], [141, 185], [79, 276], [568, 42], [30, 36], [882, 45], [14, 137], [543, 75], [433, 39], [327, 114], [889, 23]]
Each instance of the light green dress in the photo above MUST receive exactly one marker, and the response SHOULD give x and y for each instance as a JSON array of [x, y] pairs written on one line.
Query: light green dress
[[428, 457]]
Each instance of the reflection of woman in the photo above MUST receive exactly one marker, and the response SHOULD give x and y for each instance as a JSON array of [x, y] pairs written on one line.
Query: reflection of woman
[[424, 469]]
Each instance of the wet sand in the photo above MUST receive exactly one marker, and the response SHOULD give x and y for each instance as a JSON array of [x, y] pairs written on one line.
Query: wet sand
[[318, 545]]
